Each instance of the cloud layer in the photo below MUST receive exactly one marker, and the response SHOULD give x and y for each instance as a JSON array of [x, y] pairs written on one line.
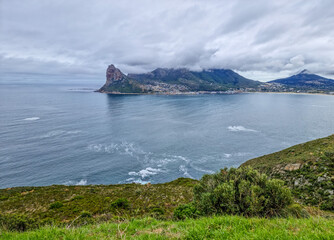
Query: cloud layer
[[259, 39]]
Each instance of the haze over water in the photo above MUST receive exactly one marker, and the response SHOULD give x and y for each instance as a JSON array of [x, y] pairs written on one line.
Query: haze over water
[[57, 134]]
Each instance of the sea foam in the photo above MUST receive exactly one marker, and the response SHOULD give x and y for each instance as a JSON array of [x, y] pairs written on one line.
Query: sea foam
[[240, 129], [31, 119], [144, 173], [82, 182]]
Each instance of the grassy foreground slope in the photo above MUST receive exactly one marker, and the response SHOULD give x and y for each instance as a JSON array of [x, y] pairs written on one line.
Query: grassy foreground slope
[[307, 168], [223, 227], [71, 205]]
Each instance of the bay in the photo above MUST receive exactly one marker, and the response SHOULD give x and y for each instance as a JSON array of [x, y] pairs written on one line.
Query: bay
[[69, 134]]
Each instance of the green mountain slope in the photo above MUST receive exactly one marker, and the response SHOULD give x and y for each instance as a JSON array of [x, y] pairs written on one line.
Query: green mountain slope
[[307, 168]]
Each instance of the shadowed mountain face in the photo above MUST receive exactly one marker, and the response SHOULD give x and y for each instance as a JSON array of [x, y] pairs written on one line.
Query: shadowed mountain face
[[307, 80], [164, 80]]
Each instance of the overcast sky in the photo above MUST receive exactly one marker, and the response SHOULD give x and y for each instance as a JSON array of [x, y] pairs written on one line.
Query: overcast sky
[[262, 40]]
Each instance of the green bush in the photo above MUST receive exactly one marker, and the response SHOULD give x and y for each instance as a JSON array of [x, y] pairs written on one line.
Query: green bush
[[56, 205], [3, 198], [241, 191], [120, 203], [185, 211], [85, 214], [78, 197], [295, 210], [157, 212], [327, 205], [17, 222]]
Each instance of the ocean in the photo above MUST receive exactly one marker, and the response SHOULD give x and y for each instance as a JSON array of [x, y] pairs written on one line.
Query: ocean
[[69, 134]]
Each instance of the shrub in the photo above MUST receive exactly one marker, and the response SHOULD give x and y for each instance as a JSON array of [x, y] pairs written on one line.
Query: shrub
[[78, 197], [185, 211], [56, 205], [3, 198], [327, 205], [157, 213], [17, 222], [85, 214], [241, 191], [295, 210], [120, 203]]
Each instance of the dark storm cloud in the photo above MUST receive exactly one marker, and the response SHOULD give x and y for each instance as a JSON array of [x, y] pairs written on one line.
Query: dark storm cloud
[[260, 39]]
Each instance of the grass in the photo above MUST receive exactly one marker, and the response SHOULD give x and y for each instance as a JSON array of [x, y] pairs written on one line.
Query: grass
[[223, 227], [61, 205]]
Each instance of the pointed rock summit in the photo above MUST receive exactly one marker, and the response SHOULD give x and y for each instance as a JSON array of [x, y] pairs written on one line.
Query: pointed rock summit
[[113, 74]]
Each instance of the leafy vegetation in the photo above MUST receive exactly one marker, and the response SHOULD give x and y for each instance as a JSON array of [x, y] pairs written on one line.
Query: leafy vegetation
[[308, 169], [24, 208], [185, 211], [241, 191], [120, 203], [56, 205], [222, 227]]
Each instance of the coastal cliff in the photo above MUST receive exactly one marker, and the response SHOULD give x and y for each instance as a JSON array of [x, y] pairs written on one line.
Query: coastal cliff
[[185, 81], [175, 81]]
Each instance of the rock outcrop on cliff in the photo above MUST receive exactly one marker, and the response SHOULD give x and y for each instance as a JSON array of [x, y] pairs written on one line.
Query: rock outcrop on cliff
[[118, 82]]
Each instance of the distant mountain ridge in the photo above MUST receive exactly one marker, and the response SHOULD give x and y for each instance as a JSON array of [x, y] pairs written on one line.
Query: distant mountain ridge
[[306, 80], [169, 80]]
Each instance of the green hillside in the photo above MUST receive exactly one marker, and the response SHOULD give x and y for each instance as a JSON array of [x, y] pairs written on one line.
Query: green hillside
[[63, 205], [307, 168]]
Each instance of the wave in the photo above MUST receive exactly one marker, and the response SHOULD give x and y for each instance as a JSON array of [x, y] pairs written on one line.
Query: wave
[[240, 129], [59, 132], [144, 173], [152, 164], [31, 119], [133, 180], [82, 182], [184, 170], [123, 148]]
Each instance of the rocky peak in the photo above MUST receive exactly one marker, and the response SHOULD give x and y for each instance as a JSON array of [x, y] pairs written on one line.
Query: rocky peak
[[113, 74]]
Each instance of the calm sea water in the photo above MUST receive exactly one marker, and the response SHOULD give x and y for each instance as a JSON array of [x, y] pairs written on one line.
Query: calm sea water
[[53, 134]]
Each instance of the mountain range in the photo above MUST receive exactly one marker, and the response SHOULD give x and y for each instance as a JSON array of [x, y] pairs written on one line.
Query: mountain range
[[306, 80], [182, 80], [165, 80]]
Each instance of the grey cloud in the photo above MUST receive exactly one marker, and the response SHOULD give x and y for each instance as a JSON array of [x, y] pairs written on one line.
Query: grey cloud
[[261, 39]]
